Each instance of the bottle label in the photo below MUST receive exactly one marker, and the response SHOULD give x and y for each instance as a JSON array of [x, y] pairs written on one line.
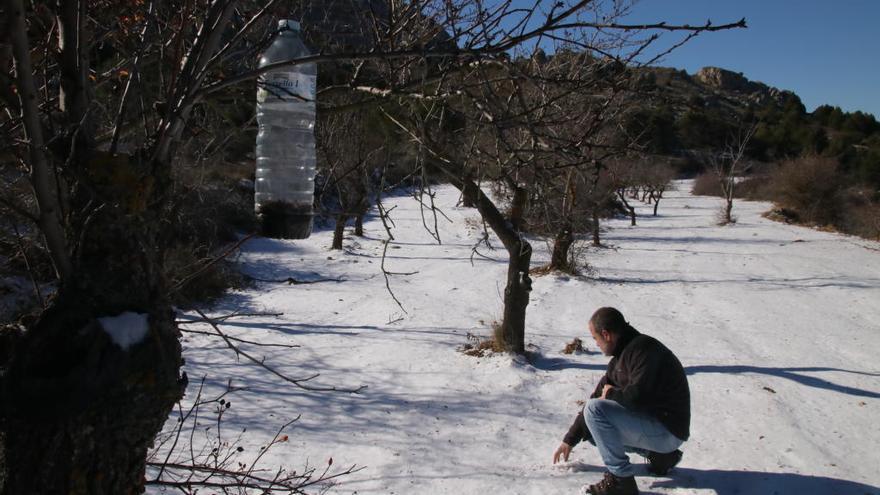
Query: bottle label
[[286, 86]]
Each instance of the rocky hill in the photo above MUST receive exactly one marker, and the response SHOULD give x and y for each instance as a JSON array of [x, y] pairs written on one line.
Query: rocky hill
[[710, 87], [736, 84], [678, 113]]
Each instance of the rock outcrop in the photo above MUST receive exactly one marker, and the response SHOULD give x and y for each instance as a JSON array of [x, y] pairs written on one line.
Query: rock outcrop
[[734, 82], [726, 80]]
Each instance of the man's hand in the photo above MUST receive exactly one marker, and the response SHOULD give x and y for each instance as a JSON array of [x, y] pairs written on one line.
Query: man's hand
[[562, 451], [605, 390]]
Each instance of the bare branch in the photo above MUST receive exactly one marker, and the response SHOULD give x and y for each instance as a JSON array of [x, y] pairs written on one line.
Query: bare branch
[[49, 221], [386, 273], [465, 55]]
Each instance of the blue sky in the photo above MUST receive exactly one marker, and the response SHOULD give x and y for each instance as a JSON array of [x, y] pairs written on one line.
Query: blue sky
[[825, 51]]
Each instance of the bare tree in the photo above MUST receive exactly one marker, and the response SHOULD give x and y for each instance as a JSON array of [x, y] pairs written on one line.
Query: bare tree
[[656, 179], [585, 95], [623, 171], [348, 155], [729, 166]]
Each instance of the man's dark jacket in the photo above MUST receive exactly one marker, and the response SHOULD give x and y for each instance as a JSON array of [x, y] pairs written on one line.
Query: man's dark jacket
[[648, 378]]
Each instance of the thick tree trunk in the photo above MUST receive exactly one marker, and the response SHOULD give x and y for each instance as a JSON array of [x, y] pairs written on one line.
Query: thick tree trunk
[[728, 209], [656, 204], [561, 247], [359, 225], [80, 411], [339, 231], [516, 298], [519, 284], [363, 206]]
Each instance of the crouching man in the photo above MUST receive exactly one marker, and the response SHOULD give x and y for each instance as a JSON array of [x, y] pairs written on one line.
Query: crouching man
[[641, 405]]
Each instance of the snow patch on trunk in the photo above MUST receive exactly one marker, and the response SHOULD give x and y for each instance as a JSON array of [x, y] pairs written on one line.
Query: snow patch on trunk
[[126, 329]]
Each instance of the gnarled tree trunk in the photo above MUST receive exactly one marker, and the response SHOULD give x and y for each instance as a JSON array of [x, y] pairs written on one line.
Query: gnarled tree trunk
[[339, 231], [516, 297], [519, 284], [657, 198], [561, 247], [629, 207], [359, 225], [80, 411]]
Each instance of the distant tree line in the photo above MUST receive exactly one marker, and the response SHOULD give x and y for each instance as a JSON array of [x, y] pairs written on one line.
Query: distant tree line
[[820, 167], [784, 130]]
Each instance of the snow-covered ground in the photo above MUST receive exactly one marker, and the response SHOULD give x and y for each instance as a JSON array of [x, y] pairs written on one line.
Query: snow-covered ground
[[778, 327]]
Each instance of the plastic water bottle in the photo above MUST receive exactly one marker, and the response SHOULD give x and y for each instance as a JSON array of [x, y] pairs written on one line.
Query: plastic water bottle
[[284, 189]]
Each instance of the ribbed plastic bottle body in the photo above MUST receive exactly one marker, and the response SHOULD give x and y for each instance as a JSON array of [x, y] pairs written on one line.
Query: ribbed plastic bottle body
[[285, 168], [285, 159]]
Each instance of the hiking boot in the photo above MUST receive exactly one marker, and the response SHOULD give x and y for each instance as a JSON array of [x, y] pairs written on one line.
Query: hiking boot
[[660, 464], [612, 485]]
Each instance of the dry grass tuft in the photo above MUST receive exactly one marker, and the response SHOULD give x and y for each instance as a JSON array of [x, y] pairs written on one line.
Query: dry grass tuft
[[480, 347], [540, 271], [576, 346]]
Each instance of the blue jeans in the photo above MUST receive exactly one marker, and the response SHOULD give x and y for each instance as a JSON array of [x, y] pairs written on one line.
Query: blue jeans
[[617, 430]]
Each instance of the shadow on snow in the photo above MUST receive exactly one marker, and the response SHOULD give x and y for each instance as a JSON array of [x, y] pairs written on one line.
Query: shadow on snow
[[792, 374], [724, 482]]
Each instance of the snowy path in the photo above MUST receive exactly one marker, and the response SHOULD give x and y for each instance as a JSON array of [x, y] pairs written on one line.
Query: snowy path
[[778, 327]]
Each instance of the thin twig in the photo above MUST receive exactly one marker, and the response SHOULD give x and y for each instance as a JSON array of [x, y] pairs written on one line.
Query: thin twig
[[383, 213], [214, 468], [387, 280]]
